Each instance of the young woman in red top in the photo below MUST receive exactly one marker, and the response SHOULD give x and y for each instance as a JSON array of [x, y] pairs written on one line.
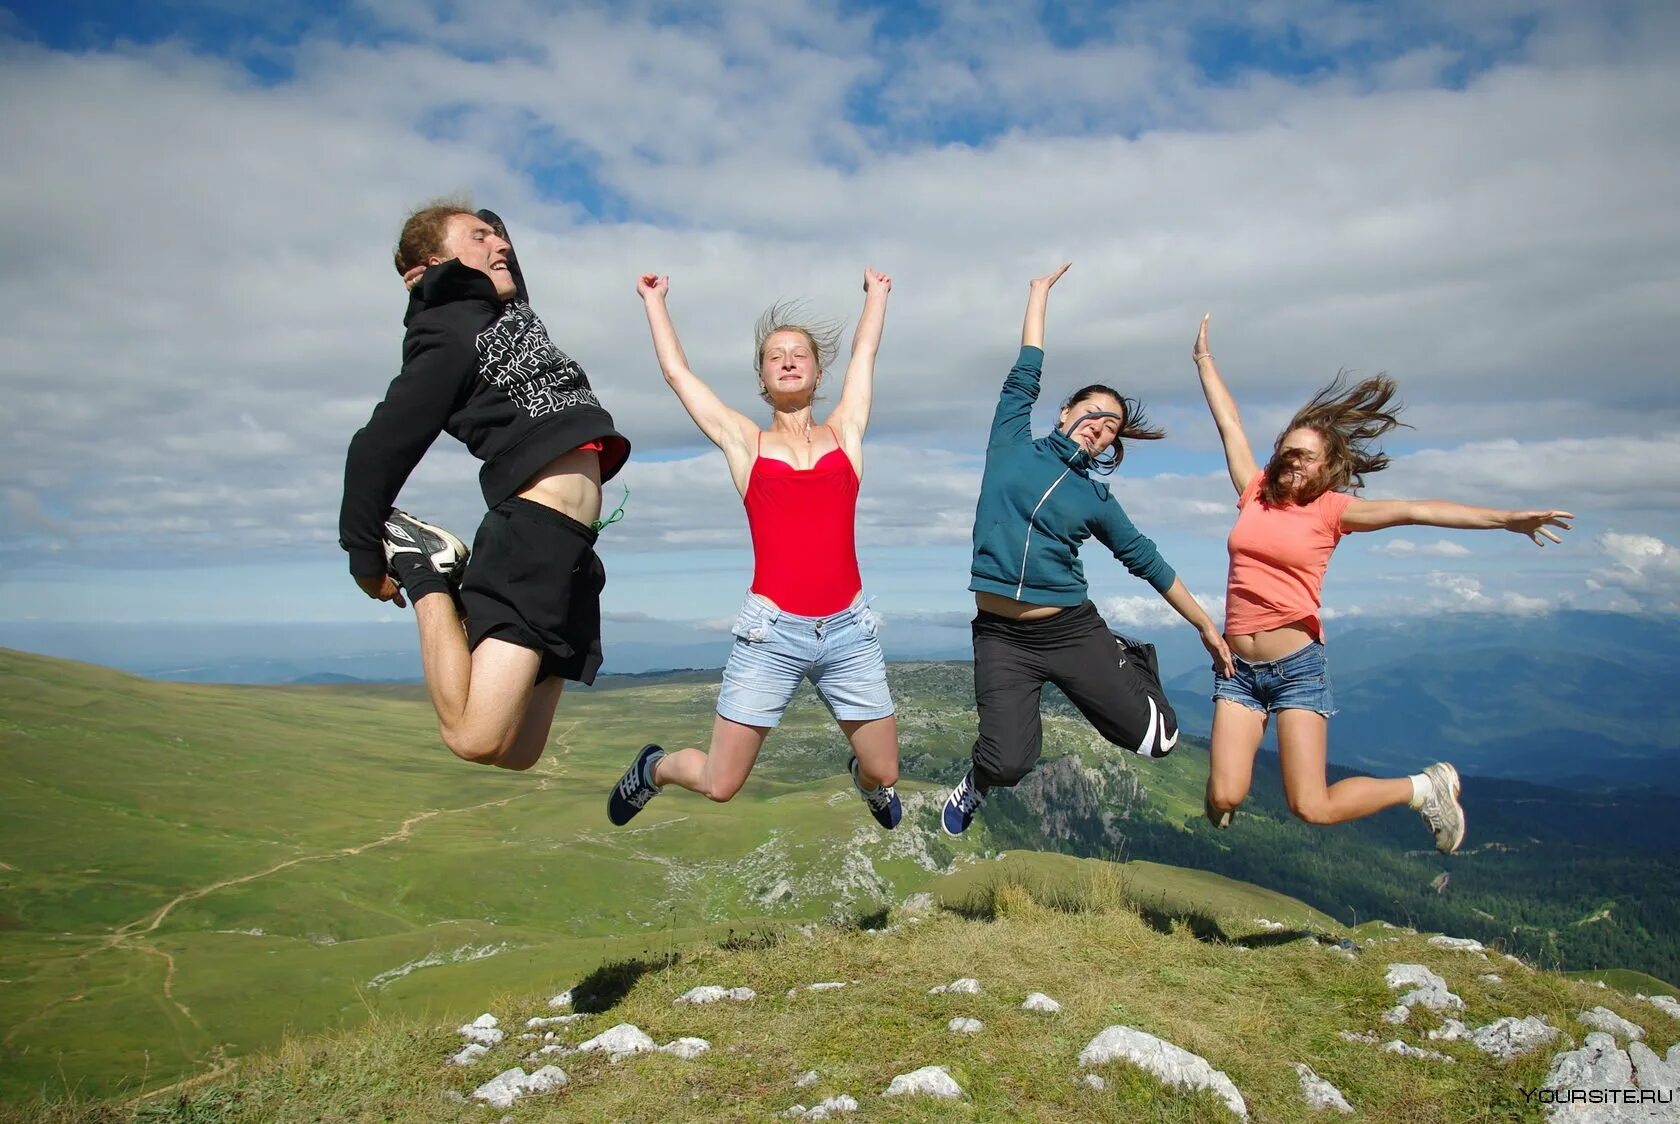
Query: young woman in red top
[[805, 617], [1292, 514]]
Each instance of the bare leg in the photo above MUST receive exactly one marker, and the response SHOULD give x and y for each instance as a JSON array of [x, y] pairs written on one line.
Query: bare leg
[[1237, 731], [875, 741], [481, 697], [1302, 736], [719, 774], [531, 738]]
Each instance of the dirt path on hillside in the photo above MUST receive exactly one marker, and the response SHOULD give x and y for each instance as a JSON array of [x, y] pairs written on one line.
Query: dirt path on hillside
[[142, 927]]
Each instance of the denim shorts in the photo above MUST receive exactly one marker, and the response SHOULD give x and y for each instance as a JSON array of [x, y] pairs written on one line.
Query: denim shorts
[[775, 651], [1298, 681]]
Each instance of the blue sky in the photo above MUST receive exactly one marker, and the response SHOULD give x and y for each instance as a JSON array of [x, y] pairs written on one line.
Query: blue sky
[[1469, 196]]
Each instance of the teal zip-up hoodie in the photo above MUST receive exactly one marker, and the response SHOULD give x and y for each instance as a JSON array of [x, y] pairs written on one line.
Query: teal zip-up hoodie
[[1037, 505]]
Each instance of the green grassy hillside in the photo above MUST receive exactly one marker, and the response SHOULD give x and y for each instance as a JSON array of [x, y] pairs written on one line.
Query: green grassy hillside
[[1252, 1000]]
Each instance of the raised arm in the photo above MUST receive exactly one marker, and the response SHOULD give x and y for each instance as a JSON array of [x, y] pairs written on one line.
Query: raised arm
[[851, 415], [1375, 515], [1239, 458], [1012, 421], [728, 429]]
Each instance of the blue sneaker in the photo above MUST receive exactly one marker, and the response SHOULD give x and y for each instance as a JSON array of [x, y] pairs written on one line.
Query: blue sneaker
[[961, 805], [635, 788], [883, 801]]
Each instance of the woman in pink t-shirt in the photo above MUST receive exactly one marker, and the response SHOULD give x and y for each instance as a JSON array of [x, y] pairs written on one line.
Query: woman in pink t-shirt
[[1291, 515]]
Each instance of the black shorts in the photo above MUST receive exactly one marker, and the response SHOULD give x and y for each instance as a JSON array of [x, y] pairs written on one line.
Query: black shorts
[[534, 580]]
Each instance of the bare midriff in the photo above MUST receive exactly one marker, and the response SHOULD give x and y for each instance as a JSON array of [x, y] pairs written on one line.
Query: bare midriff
[[570, 484], [1001, 606], [1272, 644]]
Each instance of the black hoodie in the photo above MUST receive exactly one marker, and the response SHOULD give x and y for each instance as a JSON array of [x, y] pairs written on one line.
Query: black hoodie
[[484, 371]]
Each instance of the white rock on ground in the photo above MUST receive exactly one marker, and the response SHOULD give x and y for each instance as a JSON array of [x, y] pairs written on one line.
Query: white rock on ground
[[618, 1042], [1172, 1064], [556, 1020], [1038, 1001], [833, 1106], [826, 985], [1450, 1031], [917, 904], [1489, 977], [1665, 1003], [1269, 925], [1603, 1018], [1510, 1037], [509, 1085], [964, 986], [483, 1035], [1369, 1037], [1600, 1065], [1394, 1016], [1652, 1071], [1457, 944], [470, 1053], [686, 1047], [930, 1080], [809, 1077], [564, 999], [965, 1026], [1395, 1046], [1428, 989], [1319, 1093], [711, 993], [1095, 1081]]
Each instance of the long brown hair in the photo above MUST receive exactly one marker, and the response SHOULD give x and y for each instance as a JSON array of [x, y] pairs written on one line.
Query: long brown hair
[[1347, 419]]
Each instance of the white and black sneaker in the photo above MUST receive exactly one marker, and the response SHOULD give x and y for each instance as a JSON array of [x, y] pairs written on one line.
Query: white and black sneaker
[[883, 802], [635, 788], [418, 554], [1441, 809], [961, 805]]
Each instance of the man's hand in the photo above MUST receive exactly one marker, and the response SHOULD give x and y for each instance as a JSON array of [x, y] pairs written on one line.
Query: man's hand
[[382, 587], [1049, 279], [650, 286], [874, 281]]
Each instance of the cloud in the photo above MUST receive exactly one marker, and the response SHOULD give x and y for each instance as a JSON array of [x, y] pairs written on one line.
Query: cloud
[[1148, 613], [1464, 593], [1643, 568], [1470, 199], [1406, 548]]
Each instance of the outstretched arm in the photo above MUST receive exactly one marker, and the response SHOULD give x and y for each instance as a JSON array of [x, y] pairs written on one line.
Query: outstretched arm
[[1185, 605], [1239, 458], [728, 429], [1375, 515], [851, 415], [1012, 421]]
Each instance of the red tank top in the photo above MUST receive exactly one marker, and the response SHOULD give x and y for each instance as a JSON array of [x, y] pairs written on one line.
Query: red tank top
[[804, 525]]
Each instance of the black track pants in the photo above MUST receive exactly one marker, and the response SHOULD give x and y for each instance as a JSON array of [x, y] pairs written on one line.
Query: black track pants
[[1113, 681]]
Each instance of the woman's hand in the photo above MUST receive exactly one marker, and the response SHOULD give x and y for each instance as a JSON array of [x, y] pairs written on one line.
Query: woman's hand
[[1218, 649], [874, 281], [1537, 523], [1049, 279], [1199, 349], [651, 285]]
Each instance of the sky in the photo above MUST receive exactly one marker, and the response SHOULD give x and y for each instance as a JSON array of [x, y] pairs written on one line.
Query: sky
[[199, 309]]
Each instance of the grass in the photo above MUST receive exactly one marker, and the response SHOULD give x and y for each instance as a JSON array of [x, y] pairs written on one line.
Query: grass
[[1253, 1005]]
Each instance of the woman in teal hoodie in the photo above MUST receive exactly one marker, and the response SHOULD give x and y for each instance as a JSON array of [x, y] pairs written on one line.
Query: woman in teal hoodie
[[1034, 623]]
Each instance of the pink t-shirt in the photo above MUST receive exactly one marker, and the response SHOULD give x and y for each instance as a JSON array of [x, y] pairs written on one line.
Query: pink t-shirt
[[1278, 559]]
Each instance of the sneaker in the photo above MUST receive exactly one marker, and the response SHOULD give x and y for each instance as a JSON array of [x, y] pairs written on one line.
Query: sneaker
[[416, 551], [961, 805], [1441, 809], [883, 801], [1221, 820], [635, 788]]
